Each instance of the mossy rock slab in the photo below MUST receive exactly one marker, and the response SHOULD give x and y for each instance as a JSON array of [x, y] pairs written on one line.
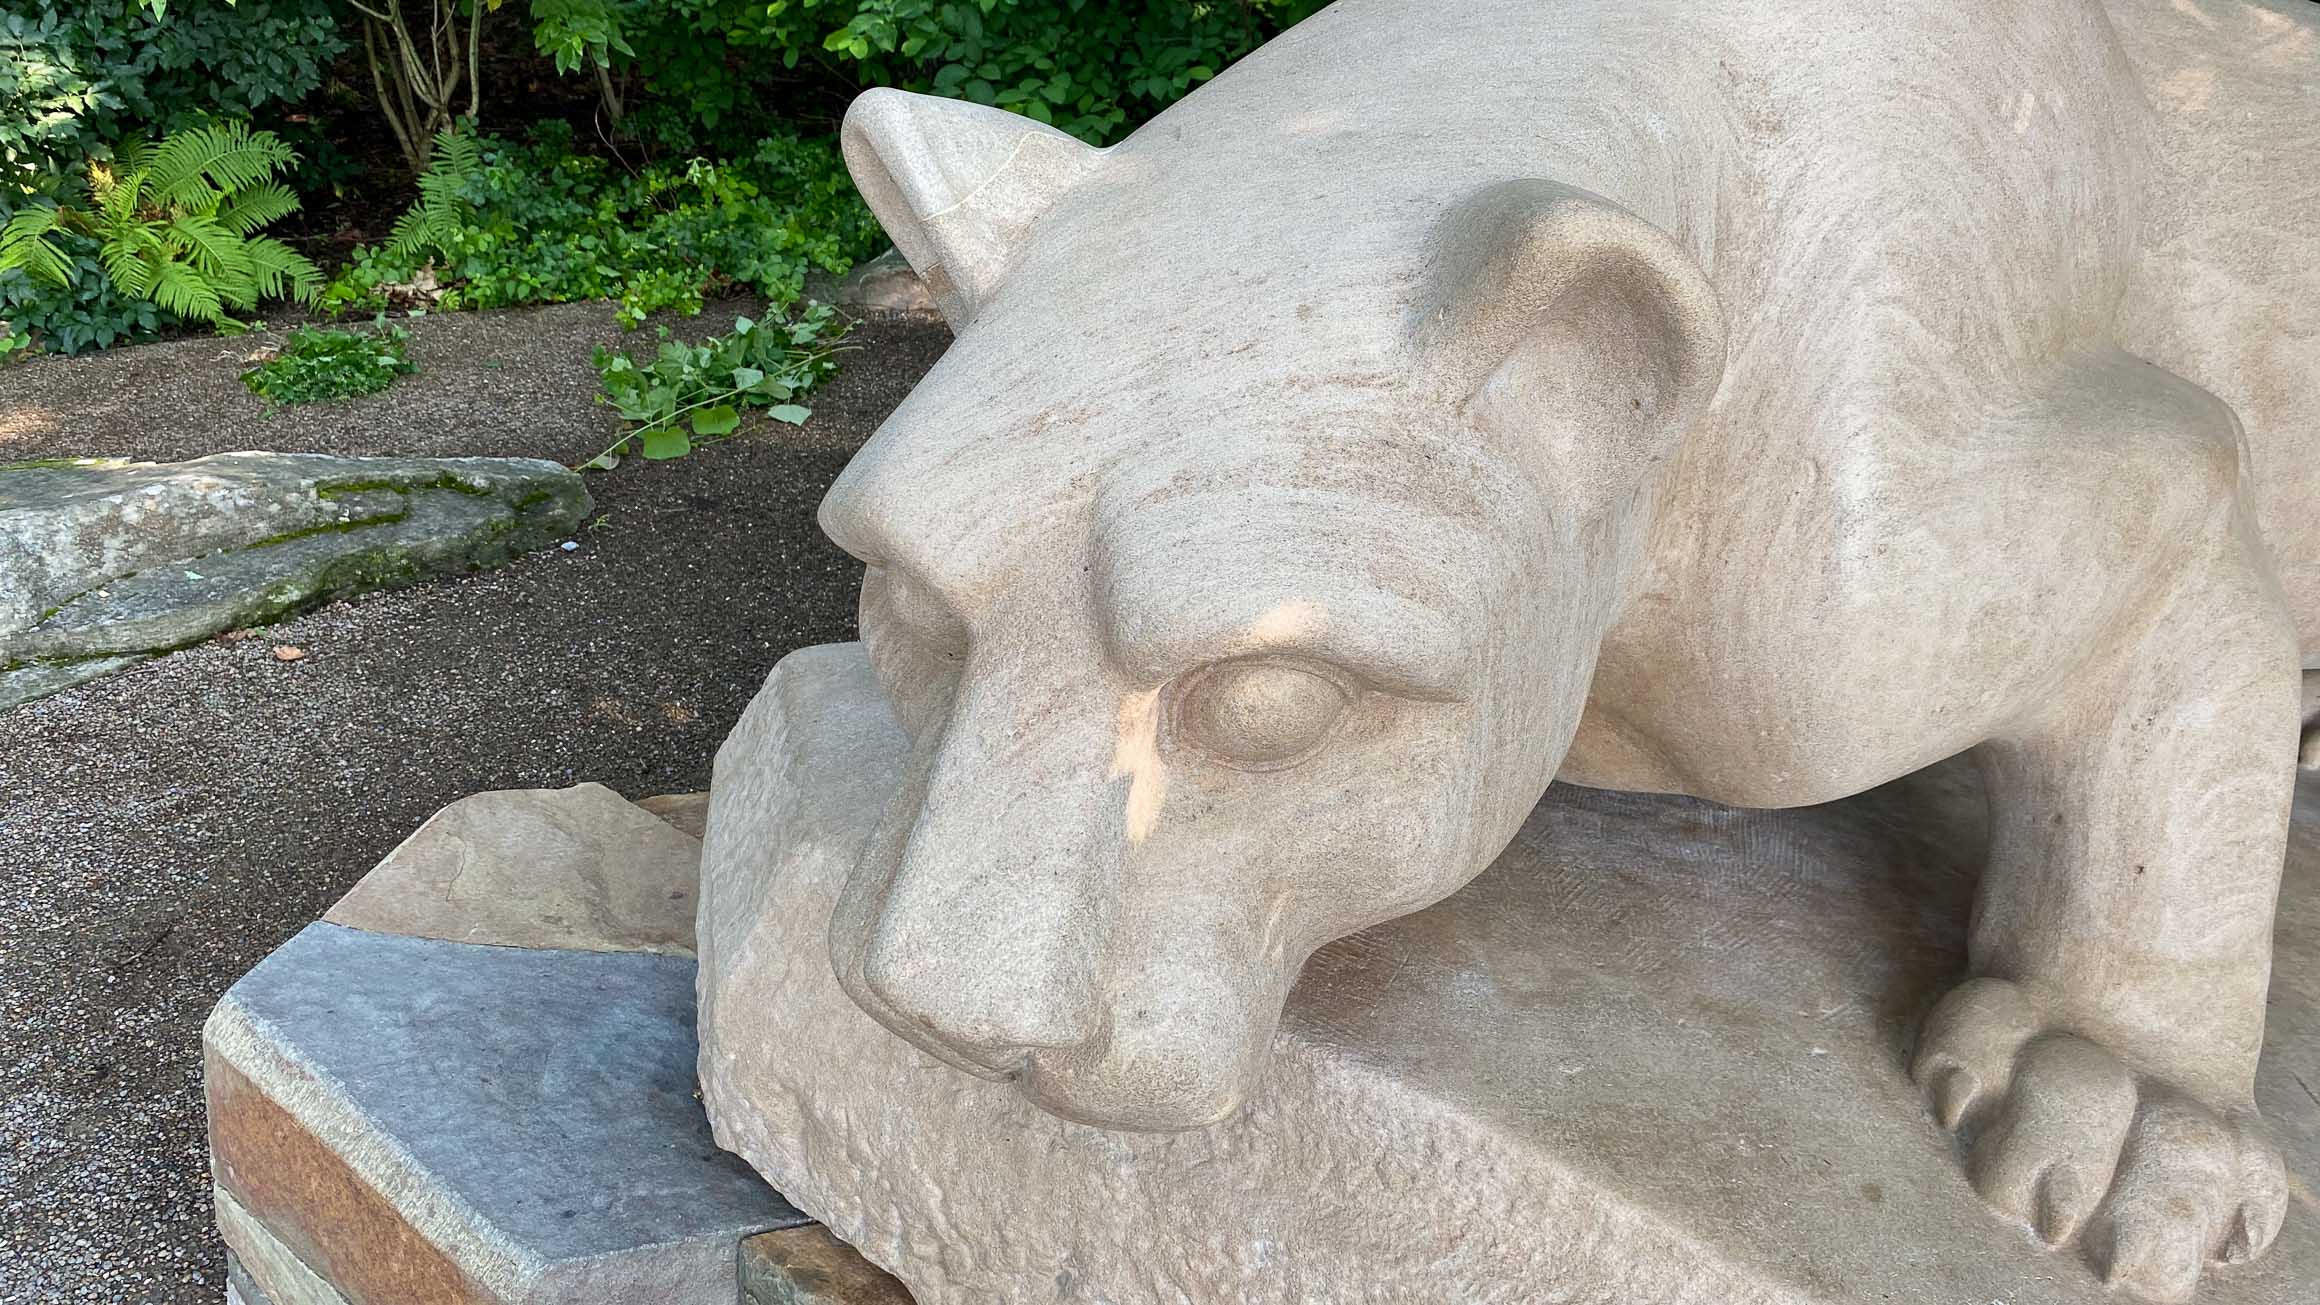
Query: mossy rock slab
[[103, 562]]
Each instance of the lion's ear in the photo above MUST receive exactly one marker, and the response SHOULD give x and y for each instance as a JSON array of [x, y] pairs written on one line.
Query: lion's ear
[[957, 186], [1566, 324]]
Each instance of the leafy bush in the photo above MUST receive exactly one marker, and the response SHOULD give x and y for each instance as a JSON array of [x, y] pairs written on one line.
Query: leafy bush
[[175, 223], [1094, 69], [85, 312], [315, 366], [77, 74], [508, 223], [688, 394]]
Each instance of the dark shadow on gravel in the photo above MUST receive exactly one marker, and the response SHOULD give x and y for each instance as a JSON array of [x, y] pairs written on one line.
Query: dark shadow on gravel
[[162, 830]]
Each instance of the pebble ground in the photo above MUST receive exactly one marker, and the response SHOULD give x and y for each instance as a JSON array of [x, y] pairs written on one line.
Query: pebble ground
[[162, 830]]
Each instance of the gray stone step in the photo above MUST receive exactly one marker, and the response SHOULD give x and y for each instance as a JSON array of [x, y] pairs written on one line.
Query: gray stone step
[[396, 1119]]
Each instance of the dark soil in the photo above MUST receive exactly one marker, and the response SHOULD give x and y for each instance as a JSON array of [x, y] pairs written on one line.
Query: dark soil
[[162, 830]]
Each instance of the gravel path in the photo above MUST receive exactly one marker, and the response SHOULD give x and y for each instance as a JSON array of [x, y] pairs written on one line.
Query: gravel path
[[162, 830]]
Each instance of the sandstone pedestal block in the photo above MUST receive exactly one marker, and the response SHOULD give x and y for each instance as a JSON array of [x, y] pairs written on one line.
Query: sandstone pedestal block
[[1656, 1054]]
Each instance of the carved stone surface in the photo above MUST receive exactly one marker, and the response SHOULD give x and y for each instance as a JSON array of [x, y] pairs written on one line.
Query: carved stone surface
[[1656, 1053], [579, 867], [1754, 402]]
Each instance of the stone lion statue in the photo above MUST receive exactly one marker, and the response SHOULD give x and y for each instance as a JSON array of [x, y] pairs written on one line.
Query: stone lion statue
[[1757, 402]]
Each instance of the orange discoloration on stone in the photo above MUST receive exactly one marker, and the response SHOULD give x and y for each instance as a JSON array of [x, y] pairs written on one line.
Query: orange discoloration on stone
[[319, 1207]]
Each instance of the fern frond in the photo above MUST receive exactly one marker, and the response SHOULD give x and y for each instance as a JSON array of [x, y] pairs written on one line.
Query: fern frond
[[409, 234], [198, 166], [129, 154], [277, 269], [183, 291], [117, 202], [131, 266], [459, 152], [216, 252], [24, 243], [434, 221], [251, 209]]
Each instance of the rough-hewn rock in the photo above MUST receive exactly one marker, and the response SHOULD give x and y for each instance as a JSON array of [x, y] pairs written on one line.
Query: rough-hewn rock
[[1656, 1053], [808, 1266], [577, 867], [883, 286], [103, 562], [687, 811]]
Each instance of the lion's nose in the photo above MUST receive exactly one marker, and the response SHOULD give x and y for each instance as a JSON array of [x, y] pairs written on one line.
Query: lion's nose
[[986, 1001], [992, 932]]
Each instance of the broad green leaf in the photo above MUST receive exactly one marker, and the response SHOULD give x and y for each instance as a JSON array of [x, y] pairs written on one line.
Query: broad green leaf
[[664, 442], [709, 423], [789, 413]]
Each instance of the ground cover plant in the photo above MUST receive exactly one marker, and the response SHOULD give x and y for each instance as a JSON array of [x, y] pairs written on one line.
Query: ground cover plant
[[318, 365], [688, 394], [176, 224], [501, 222]]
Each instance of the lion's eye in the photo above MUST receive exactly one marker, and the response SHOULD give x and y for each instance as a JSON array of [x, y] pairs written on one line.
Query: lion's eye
[[1259, 714]]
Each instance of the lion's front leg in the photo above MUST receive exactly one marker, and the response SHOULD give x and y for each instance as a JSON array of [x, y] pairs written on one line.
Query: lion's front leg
[[2099, 1065]]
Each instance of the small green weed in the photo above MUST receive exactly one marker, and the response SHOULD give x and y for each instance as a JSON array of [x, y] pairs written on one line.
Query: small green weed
[[316, 366], [687, 394]]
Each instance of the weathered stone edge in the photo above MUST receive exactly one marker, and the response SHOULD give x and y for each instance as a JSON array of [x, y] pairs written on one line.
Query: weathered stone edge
[[252, 1046]]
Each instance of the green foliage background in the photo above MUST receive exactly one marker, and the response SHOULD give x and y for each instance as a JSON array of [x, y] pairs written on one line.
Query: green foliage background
[[77, 75], [650, 151]]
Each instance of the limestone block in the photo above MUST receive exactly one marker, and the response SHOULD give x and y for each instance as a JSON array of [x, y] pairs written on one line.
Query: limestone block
[[807, 1266], [569, 868], [407, 1119], [1656, 1053], [105, 559]]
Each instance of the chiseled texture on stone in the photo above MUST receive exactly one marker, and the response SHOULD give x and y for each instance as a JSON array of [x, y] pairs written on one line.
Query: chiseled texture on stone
[[1656, 1054], [808, 1266], [579, 867], [105, 558], [414, 1119]]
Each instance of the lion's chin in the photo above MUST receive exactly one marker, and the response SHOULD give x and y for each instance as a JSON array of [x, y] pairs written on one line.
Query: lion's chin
[[1104, 1093]]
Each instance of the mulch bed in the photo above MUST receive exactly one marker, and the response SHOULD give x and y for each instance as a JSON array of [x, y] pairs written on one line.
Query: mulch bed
[[162, 830]]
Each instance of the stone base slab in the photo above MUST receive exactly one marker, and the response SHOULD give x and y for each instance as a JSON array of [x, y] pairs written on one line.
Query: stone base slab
[[1656, 1054]]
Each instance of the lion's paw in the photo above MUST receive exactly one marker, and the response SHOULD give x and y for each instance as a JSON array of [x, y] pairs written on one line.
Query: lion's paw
[[2150, 1183]]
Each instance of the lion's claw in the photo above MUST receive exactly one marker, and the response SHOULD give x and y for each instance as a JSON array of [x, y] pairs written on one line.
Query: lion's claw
[[2067, 1138]]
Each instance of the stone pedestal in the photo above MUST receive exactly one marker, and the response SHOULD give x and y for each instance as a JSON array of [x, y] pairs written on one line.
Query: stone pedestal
[[1656, 1054]]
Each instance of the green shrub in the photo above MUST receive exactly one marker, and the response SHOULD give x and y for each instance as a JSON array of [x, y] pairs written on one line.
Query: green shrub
[[175, 223], [508, 223], [712, 70], [84, 312], [687, 394], [77, 74], [316, 366]]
